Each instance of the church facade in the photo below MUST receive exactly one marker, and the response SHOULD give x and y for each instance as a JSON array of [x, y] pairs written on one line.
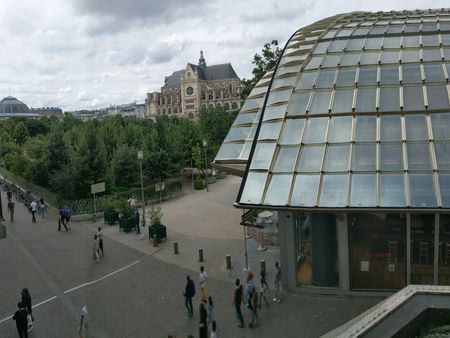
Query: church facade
[[187, 91]]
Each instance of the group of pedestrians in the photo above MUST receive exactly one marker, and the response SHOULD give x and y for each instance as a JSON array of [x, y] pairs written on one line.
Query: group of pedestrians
[[24, 315], [248, 294], [35, 206]]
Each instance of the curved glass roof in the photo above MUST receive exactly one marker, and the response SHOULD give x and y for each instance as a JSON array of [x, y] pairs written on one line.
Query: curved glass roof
[[356, 114]]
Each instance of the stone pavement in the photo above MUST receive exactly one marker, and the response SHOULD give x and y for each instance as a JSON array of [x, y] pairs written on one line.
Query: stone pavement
[[136, 291]]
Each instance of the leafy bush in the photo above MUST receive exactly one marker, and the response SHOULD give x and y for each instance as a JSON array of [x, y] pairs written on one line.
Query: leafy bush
[[199, 183], [155, 216], [111, 204]]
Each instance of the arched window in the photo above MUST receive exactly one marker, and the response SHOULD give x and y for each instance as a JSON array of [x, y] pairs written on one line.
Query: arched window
[[169, 110], [191, 116], [211, 105], [164, 111], [204, 106], [234, 105], [158, 112], [175, 110], [210, 95], [226, 106]]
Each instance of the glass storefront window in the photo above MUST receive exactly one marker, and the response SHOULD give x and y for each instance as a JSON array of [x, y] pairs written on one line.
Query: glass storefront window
[[422, 248], [377, 249], [444, 250]]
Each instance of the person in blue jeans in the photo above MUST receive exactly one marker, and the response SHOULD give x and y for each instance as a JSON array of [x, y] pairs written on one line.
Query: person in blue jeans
[[249, 294], [237, 301], [189, 293]]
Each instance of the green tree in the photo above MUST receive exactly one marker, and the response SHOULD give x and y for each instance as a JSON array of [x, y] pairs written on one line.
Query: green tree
[[263, 63], [125, 166], [20, 133]]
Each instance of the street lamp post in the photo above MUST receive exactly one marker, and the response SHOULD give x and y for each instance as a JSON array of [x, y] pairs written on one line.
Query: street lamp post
[[141, 158], [205, 145]]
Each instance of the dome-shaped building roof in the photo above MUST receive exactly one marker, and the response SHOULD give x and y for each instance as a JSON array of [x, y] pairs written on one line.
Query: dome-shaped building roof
[[11, 106], [356, 114]]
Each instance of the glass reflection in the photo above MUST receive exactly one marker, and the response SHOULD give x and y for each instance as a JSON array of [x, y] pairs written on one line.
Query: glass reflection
[[421, 189], [392, 191], [305, 190], [279, 189], [362, 191], [254, 187], [292, 132], [310, 158], [334, 191], [391, 128], [285, 161], [364, 157], [337, 158], [340, 129], [366, 127]]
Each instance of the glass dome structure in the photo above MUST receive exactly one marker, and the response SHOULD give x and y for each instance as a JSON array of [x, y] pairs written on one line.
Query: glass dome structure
[[355, 115]]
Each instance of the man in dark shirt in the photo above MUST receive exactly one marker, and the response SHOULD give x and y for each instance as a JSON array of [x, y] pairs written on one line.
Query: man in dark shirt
[[237, 301], [20, 316], [189, 293]]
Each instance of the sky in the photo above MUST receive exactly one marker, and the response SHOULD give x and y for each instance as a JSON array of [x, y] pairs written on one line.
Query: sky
[[86, 54]]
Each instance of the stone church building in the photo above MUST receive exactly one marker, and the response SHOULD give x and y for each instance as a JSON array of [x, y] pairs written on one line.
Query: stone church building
[[187, 91]]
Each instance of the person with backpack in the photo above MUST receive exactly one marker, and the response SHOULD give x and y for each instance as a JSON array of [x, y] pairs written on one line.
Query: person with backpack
[[237, 301], [249, 296], [21, 318], [189, 293], [62, 219]]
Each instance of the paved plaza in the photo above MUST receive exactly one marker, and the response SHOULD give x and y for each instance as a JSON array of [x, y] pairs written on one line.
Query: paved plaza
[[136, 290]]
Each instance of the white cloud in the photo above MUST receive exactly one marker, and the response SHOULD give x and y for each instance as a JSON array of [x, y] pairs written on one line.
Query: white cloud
[[82, 53]]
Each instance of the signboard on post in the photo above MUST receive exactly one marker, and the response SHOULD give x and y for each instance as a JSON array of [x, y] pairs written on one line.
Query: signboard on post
[[160, 186], [97, 188]]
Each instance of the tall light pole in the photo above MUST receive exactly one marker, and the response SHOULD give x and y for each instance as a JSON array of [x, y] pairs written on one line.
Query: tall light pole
[[205, 145], [141, 158]]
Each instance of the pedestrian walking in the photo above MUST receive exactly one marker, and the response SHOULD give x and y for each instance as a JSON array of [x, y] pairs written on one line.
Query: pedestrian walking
[[9, 195], [132, 202], [249, 294], [62, 219], [189, 293], [100, 240], [33, 208], [202, 278], [210, 310], [264, 289], [214, 329], [11, 210], [143, 227], [277, 283], [95, 247], [26, 301], [21, 318], [136, 224], [42, 208], [237, 301], [203, 324], [83, 329]]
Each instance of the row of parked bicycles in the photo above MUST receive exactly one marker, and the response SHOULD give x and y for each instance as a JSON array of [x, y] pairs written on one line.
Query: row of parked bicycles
[[22, 196]]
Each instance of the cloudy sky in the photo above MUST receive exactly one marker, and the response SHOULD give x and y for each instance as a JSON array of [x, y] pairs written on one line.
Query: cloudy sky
[[83, 54]]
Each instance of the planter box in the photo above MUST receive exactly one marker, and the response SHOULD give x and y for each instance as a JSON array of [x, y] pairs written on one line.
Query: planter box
[[211, 179], [111, 217], [127, 224], [160, 231]]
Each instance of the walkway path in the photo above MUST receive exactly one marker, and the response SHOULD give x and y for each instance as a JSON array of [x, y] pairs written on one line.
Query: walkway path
[[136, 290]]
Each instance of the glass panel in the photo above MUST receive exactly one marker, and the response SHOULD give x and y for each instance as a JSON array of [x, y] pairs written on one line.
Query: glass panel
[[429, 27], [389, 75], [279, 96], [306, 80], [440, 123], [411, 55], [389, 99], [394, 29], [392, 193], [285, 161], [314, 62], [434, 72], [421, 187], [349, 59], [442, 150], [334, 191], [238, 133], [364, 157], [416, 128], [391, 128], [292, 132], [437, 97], [305, 190], [366, 127], [299, 103], [369, 58], [411, 28], [411, 41], [329, 34], [373, 43], [377, 244], [320, 102], [326, 79], [310, 158], [245, 152], [367, 76], [391, 157], [340, 129], [274, 112], [342, 102], [445, 39], [331, 60], [254, 187], [229, 151], [431, 54], [444, 184], [269, 131], [422, 248], [263, 155], [361, 31], [337, 158], [391, 42], [244, 118], [321, 47], [337, 45], [355, 44], [284, 82], [366, 97], [418, 156], [390, 57], [252, 104], [378, 30], [413, 98], [411, 74], [279, 189], [363, 190], [430, 40], [346, 77], [316, 130]]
